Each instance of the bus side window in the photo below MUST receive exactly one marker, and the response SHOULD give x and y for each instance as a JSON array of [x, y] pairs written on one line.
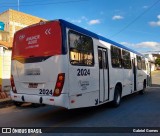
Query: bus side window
[[126, 59], [100, 59], [139, 63], [143, 64], [116, 57], [81, 49]]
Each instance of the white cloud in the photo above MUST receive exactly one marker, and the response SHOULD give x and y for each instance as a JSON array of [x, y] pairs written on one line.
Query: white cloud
[[152, 45], [117, 17], [148, 45], [93, 22], [145, 7], [155, 23]]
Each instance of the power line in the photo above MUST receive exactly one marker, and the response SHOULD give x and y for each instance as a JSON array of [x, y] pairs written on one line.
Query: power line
[[34, 3], [139, 16]]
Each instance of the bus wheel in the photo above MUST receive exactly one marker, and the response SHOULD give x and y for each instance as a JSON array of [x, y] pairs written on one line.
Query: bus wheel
[[144, 88], [18, 104], [117, 96]]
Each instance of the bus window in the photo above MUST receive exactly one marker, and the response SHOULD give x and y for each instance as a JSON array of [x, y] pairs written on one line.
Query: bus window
[[126, 59], [116, 57], [143, 64], [81, 49], [100, 59], [139, 63]]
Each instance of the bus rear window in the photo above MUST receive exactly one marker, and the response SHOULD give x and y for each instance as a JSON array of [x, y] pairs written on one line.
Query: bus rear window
[[43, 39]]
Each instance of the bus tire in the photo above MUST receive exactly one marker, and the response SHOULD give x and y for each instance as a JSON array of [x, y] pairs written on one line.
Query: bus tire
[[36, 105], [144, 88], [17, 104], [117, 96]]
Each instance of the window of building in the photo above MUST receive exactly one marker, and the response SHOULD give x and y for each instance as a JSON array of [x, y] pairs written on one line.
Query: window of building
[[139, 63], [81, 49], [116, 57], [126, 59]]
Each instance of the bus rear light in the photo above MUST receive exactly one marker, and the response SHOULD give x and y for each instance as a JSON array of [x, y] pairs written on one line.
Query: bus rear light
[[13, 85], [59, 84], [60, 78]]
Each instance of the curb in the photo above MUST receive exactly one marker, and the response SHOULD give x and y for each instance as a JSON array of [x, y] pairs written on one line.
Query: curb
[[6, 102]]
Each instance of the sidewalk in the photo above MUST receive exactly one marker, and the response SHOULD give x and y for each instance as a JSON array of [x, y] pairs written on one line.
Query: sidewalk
[[5, 99], [5, 102], [155, 78]]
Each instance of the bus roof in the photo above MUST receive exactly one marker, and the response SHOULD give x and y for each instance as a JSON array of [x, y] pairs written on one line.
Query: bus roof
[[91, 34]]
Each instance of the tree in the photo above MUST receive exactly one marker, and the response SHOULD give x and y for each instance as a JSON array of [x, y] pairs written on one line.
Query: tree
[[157, 61]]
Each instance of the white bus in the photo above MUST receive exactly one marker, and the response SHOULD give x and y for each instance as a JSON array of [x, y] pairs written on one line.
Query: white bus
[[58, 63]]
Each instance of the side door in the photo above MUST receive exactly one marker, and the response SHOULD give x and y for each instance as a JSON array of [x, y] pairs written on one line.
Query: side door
[[134, 74], [103, 75]]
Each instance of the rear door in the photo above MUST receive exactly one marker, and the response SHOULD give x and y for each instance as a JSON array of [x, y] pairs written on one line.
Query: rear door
[[134, 74]]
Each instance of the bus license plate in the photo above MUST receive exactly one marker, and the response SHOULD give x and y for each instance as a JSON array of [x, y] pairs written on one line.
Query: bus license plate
[[32, 85]]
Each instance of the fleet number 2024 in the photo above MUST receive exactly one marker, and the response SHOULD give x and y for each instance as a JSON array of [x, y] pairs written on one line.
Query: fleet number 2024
[[83, 72]]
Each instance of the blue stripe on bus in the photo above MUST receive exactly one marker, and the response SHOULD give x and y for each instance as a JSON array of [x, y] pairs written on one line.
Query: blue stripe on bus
[[91, 34]]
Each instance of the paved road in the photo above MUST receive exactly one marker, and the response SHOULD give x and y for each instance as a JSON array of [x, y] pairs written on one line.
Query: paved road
[[135, 111]]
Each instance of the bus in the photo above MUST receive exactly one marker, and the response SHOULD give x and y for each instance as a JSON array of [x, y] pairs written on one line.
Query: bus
[[61, 64]]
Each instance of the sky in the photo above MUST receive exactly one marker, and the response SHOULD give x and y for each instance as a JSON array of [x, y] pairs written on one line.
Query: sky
[[133, 23]]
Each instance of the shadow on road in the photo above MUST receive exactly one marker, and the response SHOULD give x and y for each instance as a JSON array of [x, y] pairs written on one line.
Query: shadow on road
[[57, 116]]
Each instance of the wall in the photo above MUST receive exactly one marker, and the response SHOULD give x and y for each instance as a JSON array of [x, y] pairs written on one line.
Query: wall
[[153, 67], [19, 20], [4, 17], [6, 69], [1, 68]]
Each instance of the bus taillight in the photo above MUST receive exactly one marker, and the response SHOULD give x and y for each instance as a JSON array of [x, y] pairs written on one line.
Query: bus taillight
[[59, 84], [13, 85]]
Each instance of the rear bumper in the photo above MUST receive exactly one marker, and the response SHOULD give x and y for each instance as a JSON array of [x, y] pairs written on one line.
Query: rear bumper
[[62, 100]]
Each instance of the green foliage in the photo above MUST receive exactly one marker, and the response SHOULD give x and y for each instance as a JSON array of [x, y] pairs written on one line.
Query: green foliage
[[157, 61]]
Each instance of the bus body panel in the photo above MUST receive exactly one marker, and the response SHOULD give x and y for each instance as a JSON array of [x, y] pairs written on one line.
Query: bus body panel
[[84, 82], [62, 100], [46, 78]]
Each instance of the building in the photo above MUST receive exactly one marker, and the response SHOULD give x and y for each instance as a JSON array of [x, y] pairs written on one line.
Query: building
[[10, 22], [152, 56]]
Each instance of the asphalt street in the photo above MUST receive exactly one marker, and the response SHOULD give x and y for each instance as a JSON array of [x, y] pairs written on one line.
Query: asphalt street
[[135, 111]]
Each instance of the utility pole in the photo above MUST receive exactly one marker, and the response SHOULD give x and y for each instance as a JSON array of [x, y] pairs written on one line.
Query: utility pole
[[18, 5]]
